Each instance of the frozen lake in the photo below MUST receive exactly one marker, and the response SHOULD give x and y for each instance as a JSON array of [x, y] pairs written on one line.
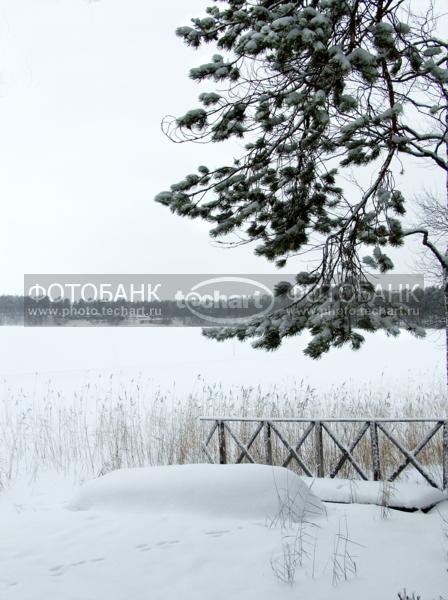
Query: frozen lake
[[180, 357]]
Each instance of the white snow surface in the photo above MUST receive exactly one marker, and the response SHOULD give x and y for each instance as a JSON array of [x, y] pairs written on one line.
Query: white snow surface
[[234, 491], [48, 552], [67, 359], [412, 496]]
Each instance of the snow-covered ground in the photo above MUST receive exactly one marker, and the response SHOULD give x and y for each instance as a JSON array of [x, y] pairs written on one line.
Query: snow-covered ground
[[71, 357], [170, 546], [155, 550]]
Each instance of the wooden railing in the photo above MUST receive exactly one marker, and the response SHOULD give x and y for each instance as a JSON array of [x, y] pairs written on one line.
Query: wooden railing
[[319, 450]]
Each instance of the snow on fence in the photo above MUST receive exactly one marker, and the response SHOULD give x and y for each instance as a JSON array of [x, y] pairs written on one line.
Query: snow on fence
[[374, 449]]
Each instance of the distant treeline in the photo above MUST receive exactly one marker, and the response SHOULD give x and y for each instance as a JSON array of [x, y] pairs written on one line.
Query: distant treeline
[[424, 308]]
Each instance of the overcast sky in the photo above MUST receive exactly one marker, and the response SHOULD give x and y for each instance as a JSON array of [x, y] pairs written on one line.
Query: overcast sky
[[83, 88]]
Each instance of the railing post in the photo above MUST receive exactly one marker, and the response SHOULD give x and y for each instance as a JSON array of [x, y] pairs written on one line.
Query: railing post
[[268, 442], [376, 428], [445, 455], [319, 449], [222, 443], [376, 465]]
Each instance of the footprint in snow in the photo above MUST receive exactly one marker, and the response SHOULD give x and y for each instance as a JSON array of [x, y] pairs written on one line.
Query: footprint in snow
[[57, 570], [167, 543], [217, 533], [143, 547]]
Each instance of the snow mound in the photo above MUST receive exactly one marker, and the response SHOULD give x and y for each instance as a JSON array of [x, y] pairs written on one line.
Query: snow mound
[[235, 491], [404, 495], [441, 510]]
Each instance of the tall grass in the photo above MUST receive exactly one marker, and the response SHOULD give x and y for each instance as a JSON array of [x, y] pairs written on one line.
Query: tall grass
[[105, 426]]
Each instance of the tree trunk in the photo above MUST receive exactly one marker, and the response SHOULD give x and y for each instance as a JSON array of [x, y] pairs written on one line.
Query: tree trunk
[[445, 267], [445, 284]]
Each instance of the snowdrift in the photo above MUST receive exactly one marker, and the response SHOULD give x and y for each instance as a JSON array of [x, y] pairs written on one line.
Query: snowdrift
[[401, 495], [236, 491]]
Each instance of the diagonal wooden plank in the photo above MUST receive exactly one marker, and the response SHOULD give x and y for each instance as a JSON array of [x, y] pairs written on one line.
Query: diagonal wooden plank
[[206, 442], [408, 455], [345, 451], [352, 447], [244, 449], [291, 450], [207, 453], [251, 441], [210, 435], [255, 434], [300, 443], [416, 451]]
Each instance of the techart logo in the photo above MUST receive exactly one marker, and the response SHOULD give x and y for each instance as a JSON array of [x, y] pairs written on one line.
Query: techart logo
[[227, 300]]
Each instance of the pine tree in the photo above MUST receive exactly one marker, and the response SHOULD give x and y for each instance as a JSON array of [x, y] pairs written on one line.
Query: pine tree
[[434, 231], [314, 88]]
